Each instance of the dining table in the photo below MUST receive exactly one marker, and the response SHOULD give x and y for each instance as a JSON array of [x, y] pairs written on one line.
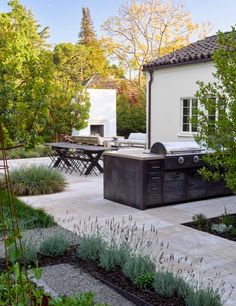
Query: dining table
[[92, 153]]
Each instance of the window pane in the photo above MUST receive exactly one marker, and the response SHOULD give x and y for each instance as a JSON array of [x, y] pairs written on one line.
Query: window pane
[[186, 119], [186, 102], [185, 115], [185, 127], [186, 111]]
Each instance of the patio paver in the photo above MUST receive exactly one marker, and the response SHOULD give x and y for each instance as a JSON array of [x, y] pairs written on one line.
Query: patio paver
[[84, 197]]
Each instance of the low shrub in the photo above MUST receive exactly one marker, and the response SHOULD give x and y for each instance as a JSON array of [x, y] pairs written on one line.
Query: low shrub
[[233, 231], [21, 152], [227, 219], [54, 246], [201, 221], [145, 281], [113, 257], [29, 252], [90, 248], [167, 284], [221, 228], [83, 299], [136, 266], [34, 180], [203, 297]]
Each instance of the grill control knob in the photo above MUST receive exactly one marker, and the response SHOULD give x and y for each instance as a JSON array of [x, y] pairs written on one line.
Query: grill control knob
[[196, 159], [180, 160]]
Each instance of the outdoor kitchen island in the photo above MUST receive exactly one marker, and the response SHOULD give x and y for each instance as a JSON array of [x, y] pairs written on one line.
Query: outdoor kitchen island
[[144, 180]]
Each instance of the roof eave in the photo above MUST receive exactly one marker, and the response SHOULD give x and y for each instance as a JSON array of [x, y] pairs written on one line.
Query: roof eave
[[177, 64]]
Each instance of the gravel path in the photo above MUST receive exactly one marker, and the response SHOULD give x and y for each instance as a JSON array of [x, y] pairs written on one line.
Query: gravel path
[[64, 279]]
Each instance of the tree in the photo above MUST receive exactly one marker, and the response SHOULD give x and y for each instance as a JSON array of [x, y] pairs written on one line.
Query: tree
[[81, 62], [68, 101], [87, 34], [217, 113], [131, 111], [25, 66], [144, 31]]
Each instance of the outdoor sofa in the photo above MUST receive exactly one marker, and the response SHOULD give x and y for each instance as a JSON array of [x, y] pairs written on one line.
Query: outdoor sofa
[[134, 139]]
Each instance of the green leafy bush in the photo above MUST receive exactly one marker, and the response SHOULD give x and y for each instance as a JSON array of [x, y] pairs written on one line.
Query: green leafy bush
[[83, 299], [90, 247], [145, 281], [112, 257], [136, 266], [54, 246], [167, 284], [203, 297], [34, 180], [21, 152], [19, 290]]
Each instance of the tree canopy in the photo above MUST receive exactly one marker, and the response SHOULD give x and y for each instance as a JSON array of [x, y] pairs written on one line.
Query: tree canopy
[[145, 30], [25, 67], [217, 113]]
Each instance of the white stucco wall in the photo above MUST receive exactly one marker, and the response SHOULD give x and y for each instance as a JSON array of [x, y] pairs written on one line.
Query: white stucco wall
[[168, 87], [102, 111]]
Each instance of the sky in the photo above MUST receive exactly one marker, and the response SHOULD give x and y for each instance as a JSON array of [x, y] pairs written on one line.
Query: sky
[[64, 16]]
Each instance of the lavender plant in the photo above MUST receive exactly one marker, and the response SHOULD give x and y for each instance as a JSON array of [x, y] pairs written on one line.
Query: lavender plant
[[90, 247], [167, 284], [137, 266], [54, 246], [113, 257], [153, 255]]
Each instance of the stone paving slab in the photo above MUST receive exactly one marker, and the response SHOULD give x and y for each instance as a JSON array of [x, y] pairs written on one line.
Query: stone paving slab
[[83, 198]]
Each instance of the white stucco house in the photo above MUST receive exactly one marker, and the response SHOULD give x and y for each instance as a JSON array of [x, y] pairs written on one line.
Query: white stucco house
[[102, 115], [171, 88]]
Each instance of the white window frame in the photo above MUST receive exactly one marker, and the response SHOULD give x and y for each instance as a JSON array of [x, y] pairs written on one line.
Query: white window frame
[[189, 133]]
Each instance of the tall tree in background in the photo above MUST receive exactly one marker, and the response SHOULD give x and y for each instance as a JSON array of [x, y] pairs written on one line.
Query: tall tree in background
[[217, 113], [87, 34], [25, 74], [145, 30]]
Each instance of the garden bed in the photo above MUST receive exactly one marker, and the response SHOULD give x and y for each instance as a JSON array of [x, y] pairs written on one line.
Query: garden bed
[[115, 279], [207, 225]]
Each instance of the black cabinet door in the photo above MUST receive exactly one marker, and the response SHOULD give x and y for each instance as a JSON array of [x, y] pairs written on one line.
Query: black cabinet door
[[174, 186], [153, 183], [196, 185]]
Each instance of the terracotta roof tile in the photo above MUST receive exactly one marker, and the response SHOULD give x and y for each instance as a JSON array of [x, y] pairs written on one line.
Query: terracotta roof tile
[[199, 51]]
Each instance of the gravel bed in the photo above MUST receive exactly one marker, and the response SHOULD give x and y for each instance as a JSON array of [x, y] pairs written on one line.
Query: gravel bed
[[35, 236], [64, 279]]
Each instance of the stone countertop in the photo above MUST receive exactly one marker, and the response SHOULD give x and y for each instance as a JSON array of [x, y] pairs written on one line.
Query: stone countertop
[[138, 154]]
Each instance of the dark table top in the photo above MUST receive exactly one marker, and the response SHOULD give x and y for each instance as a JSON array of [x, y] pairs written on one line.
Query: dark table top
[[67, 145]]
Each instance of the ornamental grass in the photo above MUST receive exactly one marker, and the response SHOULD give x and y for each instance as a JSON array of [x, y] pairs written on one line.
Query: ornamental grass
[[36, 180]]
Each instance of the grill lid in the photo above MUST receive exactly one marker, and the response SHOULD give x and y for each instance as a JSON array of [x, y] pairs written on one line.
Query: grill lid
[[175, 147]]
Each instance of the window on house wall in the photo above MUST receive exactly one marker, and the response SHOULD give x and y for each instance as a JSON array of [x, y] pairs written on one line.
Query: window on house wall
[[189, 108]]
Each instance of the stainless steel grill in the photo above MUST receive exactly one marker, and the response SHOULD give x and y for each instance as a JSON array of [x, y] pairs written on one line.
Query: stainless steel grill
[[179, 155], [175, 147]]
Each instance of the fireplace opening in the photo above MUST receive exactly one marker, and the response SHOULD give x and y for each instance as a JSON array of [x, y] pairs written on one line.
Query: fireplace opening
[[97, 129]]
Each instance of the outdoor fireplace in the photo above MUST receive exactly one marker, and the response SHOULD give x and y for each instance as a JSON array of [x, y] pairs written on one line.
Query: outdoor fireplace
[[97, 129], [167, 174]]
